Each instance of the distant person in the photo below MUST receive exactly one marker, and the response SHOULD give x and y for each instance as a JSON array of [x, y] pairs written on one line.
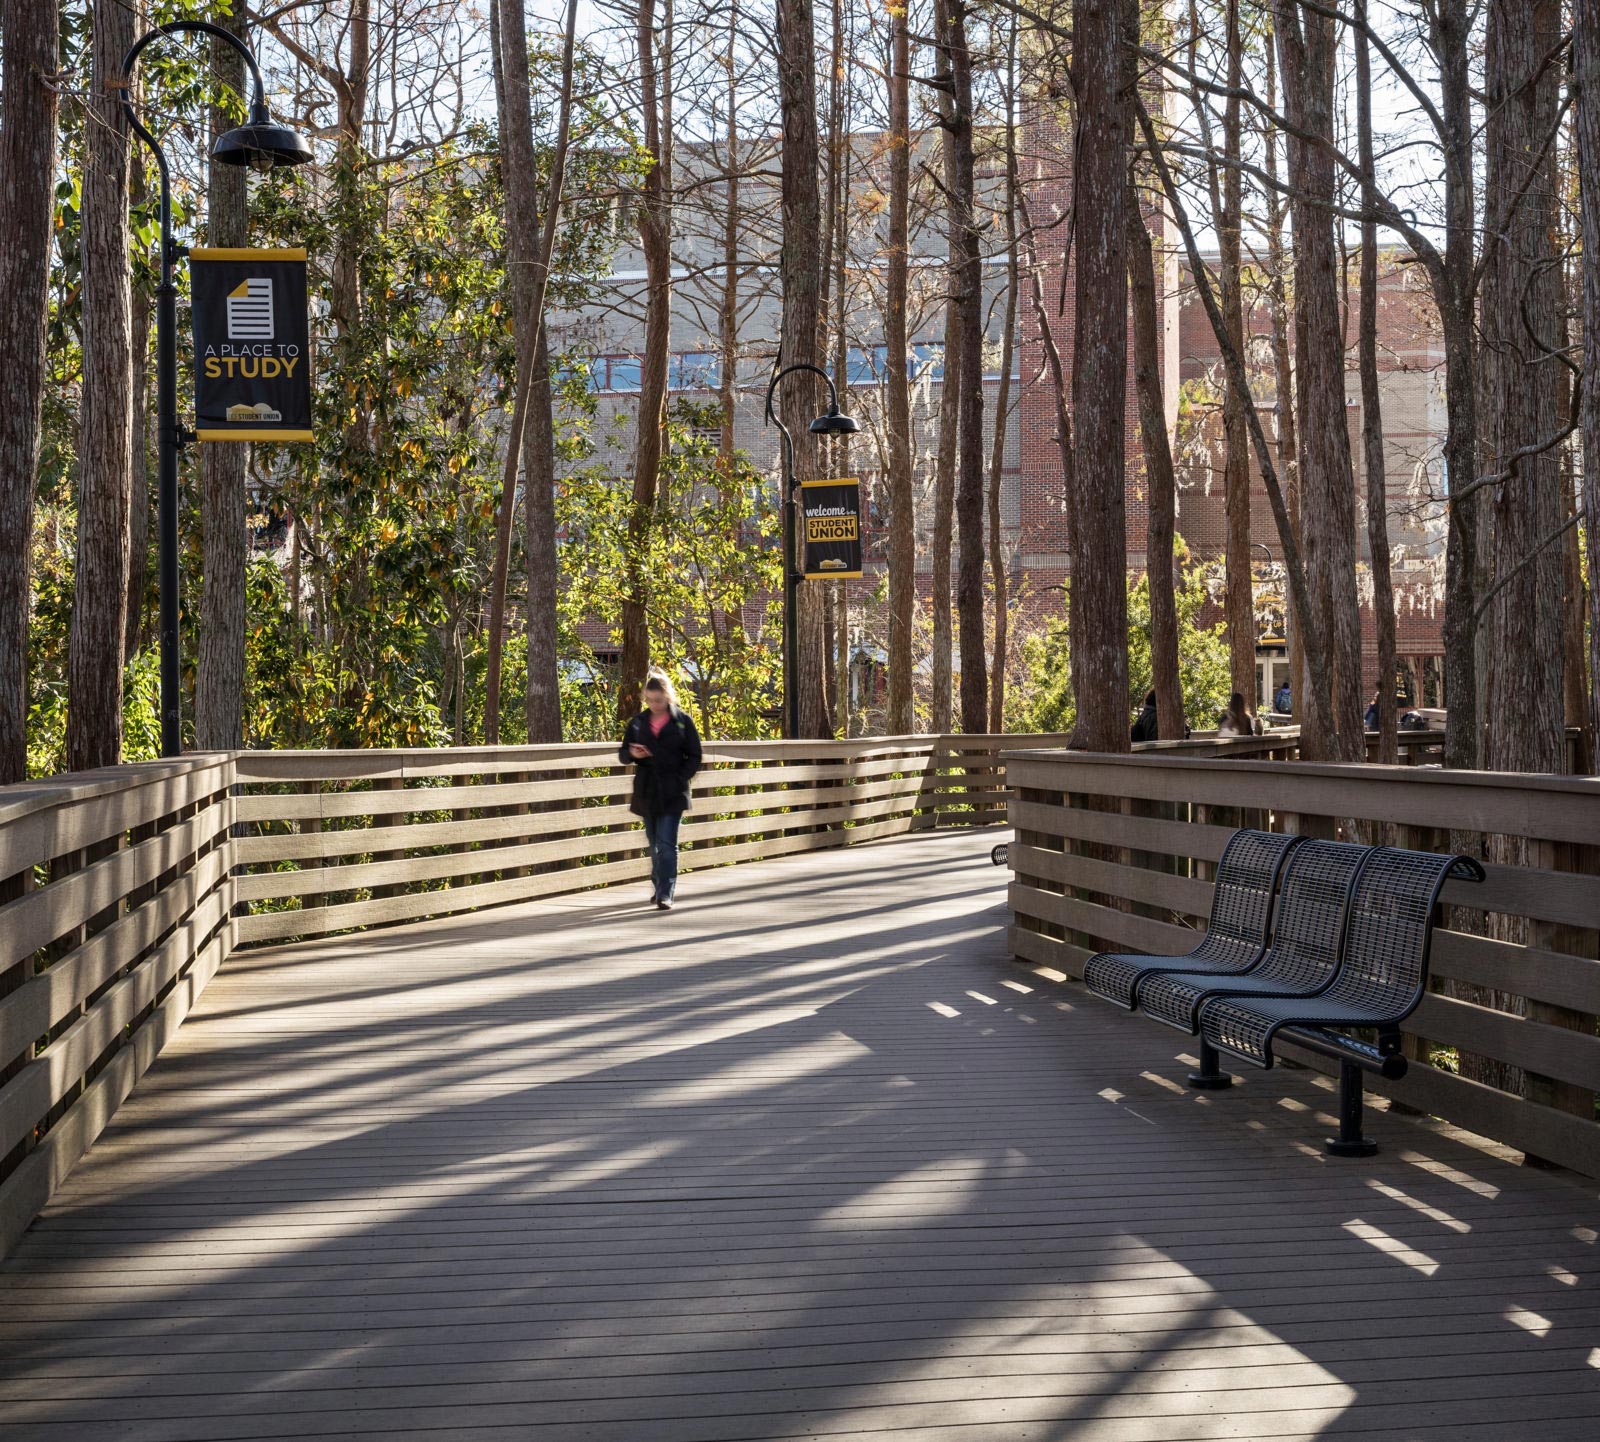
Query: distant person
[[1373, 716], [1146, 727], [662, 744], [1236, 721], [1283, 702]]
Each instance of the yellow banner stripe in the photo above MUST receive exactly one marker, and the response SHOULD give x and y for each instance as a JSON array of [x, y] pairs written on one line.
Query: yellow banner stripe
[[256, 435], [223, 252], [840, 481]]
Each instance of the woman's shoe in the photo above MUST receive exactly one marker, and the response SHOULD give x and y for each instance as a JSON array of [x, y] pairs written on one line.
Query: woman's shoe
[[663, 904]]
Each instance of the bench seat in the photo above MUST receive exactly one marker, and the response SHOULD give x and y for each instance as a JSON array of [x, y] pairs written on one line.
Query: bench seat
[[1241, 918]]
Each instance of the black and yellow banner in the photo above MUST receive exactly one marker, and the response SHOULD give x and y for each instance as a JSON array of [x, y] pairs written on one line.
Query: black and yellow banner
[[830, 518], [252, 345]]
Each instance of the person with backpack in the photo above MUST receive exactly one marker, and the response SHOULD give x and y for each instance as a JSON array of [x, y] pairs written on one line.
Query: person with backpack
[[663, 747]]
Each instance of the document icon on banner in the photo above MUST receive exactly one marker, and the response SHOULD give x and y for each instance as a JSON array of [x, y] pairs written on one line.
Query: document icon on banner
[[250, 310]]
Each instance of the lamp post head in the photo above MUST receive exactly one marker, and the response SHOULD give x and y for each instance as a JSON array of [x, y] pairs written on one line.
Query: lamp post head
[[834, 424], [261, 143]]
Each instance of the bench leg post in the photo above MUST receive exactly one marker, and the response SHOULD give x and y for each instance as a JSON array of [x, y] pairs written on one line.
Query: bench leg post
[[1210, 1077], [1350, 1142]]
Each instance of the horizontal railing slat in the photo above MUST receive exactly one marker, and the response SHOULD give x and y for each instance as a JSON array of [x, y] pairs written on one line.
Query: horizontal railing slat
[[40, 917], [38, 1005]]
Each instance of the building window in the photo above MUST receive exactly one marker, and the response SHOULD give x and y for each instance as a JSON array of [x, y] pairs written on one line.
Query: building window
[[926, 361], [622, 373], [695, 370]]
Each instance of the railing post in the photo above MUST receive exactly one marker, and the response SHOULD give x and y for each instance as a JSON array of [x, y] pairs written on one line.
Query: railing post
[[389, 783], [311, 826]]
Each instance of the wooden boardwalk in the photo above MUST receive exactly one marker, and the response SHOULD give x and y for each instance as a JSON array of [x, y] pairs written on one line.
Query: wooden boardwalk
[[808, 1157]]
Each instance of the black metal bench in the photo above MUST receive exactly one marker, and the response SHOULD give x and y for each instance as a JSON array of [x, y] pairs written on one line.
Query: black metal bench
[[1302, 957], [1381, 978], [1350, 934], [1241, 920]]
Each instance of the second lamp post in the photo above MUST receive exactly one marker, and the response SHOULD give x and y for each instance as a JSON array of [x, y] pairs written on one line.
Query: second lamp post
[[831, 423]]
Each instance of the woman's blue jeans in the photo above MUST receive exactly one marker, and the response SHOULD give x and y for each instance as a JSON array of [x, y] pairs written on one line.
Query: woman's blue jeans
[[662, 834]]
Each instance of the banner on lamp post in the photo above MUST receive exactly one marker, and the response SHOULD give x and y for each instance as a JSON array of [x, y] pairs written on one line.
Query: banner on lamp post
[[252, 344], [830, 513]]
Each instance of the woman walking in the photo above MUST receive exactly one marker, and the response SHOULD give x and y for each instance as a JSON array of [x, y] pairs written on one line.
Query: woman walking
[[664, 748]]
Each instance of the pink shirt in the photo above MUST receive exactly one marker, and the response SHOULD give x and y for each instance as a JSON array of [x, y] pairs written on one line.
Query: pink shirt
[[658, 723]]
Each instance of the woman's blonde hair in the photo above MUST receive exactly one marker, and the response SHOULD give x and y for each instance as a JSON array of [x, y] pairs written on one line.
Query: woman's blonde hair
[[659, 681]]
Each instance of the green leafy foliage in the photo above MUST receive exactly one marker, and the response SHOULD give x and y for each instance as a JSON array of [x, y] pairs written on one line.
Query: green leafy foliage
[[1045, 702], [715, 602]]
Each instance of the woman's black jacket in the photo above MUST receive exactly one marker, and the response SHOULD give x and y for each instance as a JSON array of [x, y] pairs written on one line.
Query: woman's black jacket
[[661, 780]]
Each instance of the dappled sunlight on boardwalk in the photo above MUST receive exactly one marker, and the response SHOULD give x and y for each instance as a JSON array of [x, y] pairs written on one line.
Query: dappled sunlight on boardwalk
[[807, 1157]]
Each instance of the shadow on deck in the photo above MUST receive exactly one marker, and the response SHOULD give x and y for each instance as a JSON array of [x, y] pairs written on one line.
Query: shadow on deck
[[809, 1156]]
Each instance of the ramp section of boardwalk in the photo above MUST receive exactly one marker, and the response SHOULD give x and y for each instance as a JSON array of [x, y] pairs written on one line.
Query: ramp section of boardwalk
[[808, 1157]]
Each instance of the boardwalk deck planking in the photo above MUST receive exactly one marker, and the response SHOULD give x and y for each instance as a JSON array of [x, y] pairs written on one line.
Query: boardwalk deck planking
[[808, 1157]]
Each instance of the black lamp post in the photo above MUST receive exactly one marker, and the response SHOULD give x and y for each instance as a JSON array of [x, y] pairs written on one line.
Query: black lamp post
[[832, 423], [261, 144]]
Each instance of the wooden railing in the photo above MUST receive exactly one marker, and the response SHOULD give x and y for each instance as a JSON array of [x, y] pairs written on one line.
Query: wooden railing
[[340, 839], [336, 839], [1116, 852], [122, 891], [118, 899]]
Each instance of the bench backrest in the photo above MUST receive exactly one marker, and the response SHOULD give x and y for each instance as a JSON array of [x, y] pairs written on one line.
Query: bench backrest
[[1311, 912], [1385, 966], [1247, 878]]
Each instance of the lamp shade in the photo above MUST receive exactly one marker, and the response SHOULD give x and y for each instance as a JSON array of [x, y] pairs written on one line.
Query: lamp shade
[[261, 143], [834, 424]]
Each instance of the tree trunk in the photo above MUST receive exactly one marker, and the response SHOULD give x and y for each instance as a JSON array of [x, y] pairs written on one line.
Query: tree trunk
[[351, 91], [800, 272], [1241, 610], [900, 720], [542, 706], [968, 263], [100, 595], [728, 317], [1287, 436], [1002, 406], [1372, 418], [1102, 81], [836, 601], [944, 477], [1160, 479], [655, 240], [1586, 65], [1307, 44], [219, 673], [30, 60], [1522, 292], [530, 241], [1451, 41], [943, 536]]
